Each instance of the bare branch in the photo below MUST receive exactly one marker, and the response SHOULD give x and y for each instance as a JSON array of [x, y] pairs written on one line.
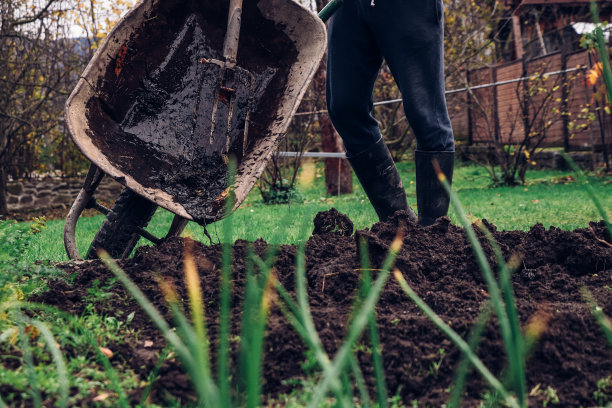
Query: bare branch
[[35, 17]]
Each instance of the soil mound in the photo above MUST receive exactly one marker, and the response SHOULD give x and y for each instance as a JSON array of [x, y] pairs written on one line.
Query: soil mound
[[571, 356]]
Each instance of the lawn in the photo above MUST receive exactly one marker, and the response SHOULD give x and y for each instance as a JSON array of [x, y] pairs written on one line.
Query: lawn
[[549, 197], [88, 342]]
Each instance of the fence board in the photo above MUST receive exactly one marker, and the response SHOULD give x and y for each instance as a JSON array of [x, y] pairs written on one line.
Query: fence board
[[503, 104]]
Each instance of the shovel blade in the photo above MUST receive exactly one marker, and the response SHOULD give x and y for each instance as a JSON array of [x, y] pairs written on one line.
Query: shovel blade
[[222, 109]]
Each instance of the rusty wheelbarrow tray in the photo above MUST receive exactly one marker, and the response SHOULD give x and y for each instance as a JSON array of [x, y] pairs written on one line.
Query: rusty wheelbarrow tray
[[138, 112]]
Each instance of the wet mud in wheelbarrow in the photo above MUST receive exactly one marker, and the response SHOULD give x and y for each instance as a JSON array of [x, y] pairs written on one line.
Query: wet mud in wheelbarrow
[[150, 115]]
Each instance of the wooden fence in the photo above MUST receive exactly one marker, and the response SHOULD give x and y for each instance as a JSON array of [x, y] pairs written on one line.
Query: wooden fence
[[496, 112]]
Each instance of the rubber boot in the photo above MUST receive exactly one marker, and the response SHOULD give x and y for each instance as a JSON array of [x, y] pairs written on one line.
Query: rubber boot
[[380, 180], [432, 200]]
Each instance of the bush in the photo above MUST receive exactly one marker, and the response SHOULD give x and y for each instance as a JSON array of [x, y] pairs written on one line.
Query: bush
[[281, 194]]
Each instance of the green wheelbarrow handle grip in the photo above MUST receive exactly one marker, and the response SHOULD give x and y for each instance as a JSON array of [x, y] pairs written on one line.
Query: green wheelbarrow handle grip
[[329, 9]]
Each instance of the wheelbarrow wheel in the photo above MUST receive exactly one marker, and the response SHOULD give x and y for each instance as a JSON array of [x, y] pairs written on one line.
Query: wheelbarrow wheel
[[118, 235]]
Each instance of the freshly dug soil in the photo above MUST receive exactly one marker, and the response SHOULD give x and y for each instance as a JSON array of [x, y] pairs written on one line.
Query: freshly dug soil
[[161, 98], [437, 261]]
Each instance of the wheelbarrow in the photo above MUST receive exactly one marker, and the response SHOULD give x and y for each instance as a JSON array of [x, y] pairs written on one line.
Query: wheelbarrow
[[176, 89]]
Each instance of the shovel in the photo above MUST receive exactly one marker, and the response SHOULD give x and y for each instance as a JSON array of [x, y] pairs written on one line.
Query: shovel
[[229, 116], [230, 96]]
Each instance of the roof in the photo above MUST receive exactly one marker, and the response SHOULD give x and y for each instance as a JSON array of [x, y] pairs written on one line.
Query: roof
[[567, 2]]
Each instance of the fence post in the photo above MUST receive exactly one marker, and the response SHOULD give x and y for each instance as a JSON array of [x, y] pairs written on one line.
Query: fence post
[[495, 104], [564, 99], [469, 109]]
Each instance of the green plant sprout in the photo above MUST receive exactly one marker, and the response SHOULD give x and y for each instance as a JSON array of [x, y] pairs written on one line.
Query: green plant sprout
[[502, 297], [603, 394]]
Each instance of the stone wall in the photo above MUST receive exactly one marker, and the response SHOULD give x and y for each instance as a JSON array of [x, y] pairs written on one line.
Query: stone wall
[[29, 194]]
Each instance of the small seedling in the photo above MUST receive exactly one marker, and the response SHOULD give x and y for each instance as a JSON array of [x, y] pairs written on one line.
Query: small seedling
[[548, 395], [603, 394], [434, 367], [362, 348]]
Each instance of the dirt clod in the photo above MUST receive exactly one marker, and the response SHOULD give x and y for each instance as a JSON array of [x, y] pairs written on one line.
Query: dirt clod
[[326, 222]]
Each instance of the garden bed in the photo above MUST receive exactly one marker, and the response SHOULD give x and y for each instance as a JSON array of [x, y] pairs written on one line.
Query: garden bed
[[570, 359]]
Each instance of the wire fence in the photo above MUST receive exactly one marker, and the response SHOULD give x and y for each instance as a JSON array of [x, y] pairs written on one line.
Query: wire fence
[[328, 155], [467, 88]]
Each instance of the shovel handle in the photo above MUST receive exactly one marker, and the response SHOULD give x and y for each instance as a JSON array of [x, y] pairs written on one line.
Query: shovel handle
[[329, 9], [232, 35]]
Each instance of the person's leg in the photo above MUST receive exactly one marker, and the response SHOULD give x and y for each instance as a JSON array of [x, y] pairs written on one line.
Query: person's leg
[[353, 61], [352, 67], [410, 34]]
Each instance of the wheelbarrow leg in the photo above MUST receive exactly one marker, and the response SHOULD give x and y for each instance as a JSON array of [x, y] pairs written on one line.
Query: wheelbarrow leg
[[178, 225], [92, 181]]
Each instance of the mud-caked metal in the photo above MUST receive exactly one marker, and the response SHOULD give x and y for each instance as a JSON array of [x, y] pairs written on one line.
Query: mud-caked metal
[[143, 110]]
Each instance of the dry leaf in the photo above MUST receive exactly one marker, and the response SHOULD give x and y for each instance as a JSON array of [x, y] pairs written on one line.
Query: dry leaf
[[101, 397], [32, 331], [593, 75], [148, 343], [107, 352]]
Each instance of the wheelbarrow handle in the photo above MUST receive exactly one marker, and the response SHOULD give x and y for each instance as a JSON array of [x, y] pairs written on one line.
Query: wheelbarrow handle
[[329, 9]]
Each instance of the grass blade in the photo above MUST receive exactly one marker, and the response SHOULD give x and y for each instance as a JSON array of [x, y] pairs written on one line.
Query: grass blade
[[604, 53], [517, 367], [188, 353], [513, 350], [152, 377], [258, 294], [603, 321], [455, 338], [194, 290], [360, 382], [62, 373], [195, 363], [379, 374], [308, 323], [291, 312], [145, 304], [111, 374], [198, 343], [463, 367], [358, 324], [225, 290], [29, 364], [589, 189]]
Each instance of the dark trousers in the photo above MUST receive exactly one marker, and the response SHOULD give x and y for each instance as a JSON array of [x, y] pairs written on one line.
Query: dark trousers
[[408, 34]]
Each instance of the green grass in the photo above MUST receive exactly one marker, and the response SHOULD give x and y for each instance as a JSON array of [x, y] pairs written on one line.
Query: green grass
[[548, 197]]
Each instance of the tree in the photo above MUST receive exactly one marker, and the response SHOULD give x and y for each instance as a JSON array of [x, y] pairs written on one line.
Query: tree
[[35, 71], [538, 108], [40, 61]]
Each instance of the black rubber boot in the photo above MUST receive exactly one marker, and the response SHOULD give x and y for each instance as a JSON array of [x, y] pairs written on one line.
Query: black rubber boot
[[380, 180], [432, 200]]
